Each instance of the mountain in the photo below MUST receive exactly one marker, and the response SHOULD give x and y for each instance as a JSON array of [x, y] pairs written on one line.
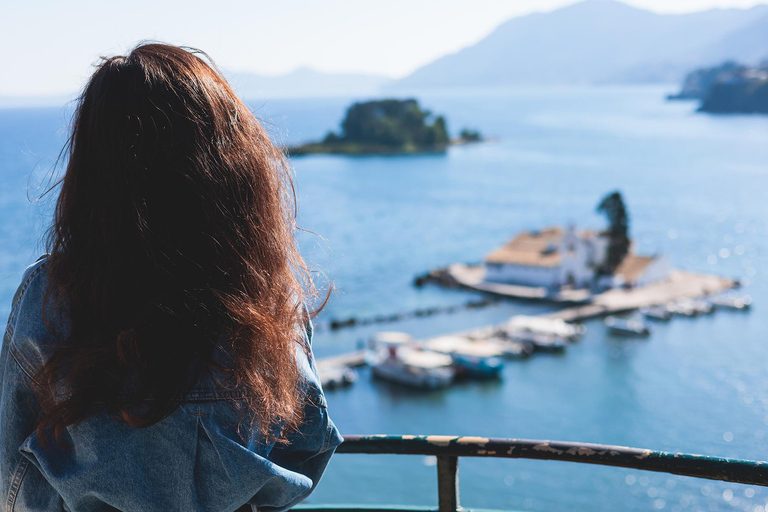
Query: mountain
[[749, 44], [591, 42], [304, 82]]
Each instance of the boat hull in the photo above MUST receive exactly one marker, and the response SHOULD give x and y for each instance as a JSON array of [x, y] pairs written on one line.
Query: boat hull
[[487, 368], [401, 375]]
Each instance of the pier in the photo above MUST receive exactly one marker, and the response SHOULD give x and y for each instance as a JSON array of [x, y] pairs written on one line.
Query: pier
[[350, 360], [680, 285]]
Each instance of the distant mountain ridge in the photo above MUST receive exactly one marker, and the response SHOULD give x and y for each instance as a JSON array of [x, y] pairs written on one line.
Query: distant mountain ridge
[[304, 82], [598, 41]]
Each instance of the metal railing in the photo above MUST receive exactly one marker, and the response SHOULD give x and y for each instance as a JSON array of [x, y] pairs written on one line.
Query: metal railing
[[448, 450]]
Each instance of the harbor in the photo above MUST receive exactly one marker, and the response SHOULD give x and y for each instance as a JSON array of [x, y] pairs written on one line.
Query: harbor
[[587, 273], [476, 352]]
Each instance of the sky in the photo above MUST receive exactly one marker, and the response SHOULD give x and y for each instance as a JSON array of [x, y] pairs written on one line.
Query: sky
[[49, 47]]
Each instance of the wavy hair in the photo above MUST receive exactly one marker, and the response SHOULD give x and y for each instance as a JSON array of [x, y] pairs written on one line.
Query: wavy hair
[[173, 249]]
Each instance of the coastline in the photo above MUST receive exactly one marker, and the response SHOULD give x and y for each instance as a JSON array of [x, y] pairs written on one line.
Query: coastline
[[357, 149]]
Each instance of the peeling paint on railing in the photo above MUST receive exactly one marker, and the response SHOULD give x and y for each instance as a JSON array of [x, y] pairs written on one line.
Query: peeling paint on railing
[[714, 468]]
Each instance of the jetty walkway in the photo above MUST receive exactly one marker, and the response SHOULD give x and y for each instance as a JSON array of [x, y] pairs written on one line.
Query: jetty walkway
[[680, 285]]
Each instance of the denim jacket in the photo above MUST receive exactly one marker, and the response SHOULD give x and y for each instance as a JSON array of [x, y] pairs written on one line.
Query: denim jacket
[[193, 460]]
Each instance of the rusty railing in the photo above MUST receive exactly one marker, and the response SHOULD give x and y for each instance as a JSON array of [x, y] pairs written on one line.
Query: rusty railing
[[448, 450]]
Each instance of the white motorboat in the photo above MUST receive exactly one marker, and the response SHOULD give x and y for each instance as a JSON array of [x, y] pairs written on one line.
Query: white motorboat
[[395, 359], [541, 342], [547, 326], [657, 313], [634, 326], [333, 377], [416, 368], [512, 349], [682, 308], [732, 301], [702, 307], [471, 358]]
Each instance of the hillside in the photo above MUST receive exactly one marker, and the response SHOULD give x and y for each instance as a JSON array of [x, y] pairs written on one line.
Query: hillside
[[749, 44], [593, 42], [304, 82]]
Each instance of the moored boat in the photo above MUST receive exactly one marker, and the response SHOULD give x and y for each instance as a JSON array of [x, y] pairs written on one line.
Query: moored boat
[[415, 368], [682, 308], [731, 301], [471, 358], [627, 326], [393, 358], [702, 307], [512, 349], [477, 366], [548, 326], [541, 342], [333, 377], [657, 313]]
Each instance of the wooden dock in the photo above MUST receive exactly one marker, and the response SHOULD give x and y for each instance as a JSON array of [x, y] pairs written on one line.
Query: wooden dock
[[680, 285], [350, 360]]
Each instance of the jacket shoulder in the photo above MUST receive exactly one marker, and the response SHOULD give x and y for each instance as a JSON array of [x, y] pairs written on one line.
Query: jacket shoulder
[[31, 333]]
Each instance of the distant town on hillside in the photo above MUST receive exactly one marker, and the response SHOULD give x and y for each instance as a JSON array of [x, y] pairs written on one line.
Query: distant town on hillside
[[728, 88], [587, 43]]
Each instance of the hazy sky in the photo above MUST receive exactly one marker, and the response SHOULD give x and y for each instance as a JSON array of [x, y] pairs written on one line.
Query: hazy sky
[[47, 47]]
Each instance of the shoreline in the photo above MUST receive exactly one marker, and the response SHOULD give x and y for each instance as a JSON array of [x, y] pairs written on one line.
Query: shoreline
[[355, 149]]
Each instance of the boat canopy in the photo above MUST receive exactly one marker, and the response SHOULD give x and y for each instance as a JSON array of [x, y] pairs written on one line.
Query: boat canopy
[[541, 324], [392, 338], [425, 359]]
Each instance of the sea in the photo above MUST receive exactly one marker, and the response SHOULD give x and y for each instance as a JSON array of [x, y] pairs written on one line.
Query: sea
[[696, 188]]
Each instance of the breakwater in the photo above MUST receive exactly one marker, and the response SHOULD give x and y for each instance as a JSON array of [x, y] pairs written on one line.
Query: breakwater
[[354, 321], [680, 285]]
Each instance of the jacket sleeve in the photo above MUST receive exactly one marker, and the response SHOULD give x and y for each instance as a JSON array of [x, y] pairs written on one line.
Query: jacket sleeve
[[308, 450], [22, 486]]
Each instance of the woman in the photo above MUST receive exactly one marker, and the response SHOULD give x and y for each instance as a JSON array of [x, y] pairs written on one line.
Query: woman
[[158, 358]]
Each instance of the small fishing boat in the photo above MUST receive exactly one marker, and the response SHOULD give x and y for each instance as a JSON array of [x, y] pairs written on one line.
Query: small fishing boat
[[627, 326], [549, 326], [541, 342], [415, 368], [334, 377], [512, 349], [682, 308], [393, 358], [732, 301], [471, 358], [693, 307], [702, 307], [657, 313], [477, 366]]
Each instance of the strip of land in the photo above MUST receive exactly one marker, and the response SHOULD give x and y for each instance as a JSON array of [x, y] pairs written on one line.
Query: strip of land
[[680, 285]]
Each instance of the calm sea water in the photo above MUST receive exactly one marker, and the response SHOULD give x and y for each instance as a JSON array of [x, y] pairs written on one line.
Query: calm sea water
[[696, 188]]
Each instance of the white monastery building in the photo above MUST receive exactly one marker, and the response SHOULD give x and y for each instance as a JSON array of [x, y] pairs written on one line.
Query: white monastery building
[[557, 257]]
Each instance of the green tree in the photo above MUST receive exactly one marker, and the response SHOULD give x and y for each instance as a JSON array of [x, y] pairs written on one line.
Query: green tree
[[441, 131], [468, 135], [391, 122], [612, 206]]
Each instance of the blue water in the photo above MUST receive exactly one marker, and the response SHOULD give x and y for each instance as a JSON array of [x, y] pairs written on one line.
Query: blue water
[[696, 188]]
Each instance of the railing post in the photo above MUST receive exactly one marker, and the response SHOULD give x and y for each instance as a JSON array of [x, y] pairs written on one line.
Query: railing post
[[447, 483]]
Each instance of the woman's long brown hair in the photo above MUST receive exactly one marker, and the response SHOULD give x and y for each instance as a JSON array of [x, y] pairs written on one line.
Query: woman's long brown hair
[[173, 250]]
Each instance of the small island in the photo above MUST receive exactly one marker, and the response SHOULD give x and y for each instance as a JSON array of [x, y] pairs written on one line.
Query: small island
[[730, 88], [387, 127]]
